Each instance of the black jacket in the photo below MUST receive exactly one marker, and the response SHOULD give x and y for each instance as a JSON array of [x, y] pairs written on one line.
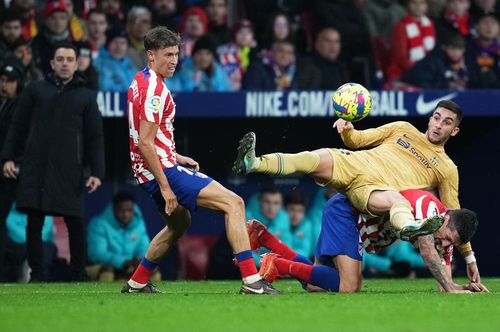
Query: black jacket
[[6, 110], [64, 134]]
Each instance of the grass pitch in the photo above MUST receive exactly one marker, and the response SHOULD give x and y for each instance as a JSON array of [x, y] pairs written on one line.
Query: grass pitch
[[383, 305]]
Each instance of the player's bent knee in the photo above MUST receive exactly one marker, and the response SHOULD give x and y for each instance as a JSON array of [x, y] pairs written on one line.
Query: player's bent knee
[[234, 204]]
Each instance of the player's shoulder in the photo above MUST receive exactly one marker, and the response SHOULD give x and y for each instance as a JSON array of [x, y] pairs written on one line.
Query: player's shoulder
[[404, 126]]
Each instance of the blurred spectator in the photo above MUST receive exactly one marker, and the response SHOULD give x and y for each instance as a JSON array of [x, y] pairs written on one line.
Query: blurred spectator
[[300, 226], [15, 254], [10, 32], [236, 56], [97, 25], [114, 66], [138, 23], [217, 21], [22, 50], [481, 7], [455, 18], [166, 13], [484, 50], [267, 207], [77, 25], [325, 60], [11, 84], [114, 12], [85, 66], [194, 24], [117, 239], [347, 18], [381, 16], [398, 260], [201, 72], [446, 68], [278, 29], [413, 38], [60, 122], [276, 72], [55, 30], [27, 8]]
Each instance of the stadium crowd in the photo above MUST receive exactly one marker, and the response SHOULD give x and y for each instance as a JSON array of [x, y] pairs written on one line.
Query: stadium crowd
[[230, 46]]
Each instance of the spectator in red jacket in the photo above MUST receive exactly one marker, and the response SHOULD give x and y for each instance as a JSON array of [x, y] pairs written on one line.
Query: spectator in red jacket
[[413, 38]]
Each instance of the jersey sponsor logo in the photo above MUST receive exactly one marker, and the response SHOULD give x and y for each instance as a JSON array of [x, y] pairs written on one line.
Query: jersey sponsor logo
[[407, 145], [155, 103], [425, 107]]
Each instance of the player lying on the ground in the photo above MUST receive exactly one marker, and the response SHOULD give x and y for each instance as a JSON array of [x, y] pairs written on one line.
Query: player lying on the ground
[[344, 235], [400, 157]]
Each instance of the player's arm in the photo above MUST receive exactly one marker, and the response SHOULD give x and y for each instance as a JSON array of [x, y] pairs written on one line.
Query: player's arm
[[147, 134], [364, 138], [433, 261], [189, 162]]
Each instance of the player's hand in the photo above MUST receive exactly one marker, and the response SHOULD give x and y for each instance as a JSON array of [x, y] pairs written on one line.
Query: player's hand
[[170, 200], [342, 125], [10, 170], [93, 183], [477, 287], [473, 273], [191, 163]]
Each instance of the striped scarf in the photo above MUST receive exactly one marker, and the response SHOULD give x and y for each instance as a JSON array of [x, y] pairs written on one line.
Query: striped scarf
[[421, 36]]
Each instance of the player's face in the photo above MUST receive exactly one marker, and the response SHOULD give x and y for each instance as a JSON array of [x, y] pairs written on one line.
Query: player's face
[[164, 60], [296, 213], [124, 212], [97, 25], [11, 30], [64, 63], [442, 125], [270, 205], [446, 236]]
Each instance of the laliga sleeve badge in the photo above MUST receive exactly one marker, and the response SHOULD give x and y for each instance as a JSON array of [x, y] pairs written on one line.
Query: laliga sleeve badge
[[154, 103]]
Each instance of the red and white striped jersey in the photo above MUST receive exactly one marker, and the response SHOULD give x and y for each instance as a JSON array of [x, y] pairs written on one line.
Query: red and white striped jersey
[[376, 233], [150, 100]]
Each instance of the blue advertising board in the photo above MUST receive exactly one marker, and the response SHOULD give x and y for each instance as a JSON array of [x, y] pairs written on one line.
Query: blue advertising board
[[307, 104]]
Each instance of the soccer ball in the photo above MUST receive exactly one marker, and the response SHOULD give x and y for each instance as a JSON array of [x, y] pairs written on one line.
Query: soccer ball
[[352, 102]]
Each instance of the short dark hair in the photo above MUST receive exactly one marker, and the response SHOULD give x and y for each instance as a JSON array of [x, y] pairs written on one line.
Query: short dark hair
[[64, 44], [295, 197], [11, 15], [123, 196], [96, 11], [452, 106], [453, 39], [269, 190], [465, 222], [161, 37]]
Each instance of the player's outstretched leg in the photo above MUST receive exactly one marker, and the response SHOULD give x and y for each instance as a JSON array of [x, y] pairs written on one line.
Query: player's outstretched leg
[[276, 163], [272, 266], [214, 196], [179, 221]]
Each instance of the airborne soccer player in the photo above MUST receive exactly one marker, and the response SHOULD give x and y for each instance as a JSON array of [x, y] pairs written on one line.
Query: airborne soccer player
[[174, 181], [344, 235], [400, 157]]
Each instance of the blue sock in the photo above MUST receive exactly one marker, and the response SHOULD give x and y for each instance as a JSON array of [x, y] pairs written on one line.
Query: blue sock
[[305, 260], [244, 255], [148, 264], [326, 277]]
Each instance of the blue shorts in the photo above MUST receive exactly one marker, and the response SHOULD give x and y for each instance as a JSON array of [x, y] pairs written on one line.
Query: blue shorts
[[339, 234], [184, 182]]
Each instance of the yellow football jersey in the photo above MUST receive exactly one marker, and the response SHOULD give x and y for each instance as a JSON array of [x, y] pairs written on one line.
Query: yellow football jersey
[[400, 157]]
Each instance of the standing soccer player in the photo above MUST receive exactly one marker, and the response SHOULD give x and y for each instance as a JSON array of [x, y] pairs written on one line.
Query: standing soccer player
[[173, 180]]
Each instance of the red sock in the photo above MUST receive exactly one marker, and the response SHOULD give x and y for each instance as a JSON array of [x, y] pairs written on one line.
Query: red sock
[[142, 274], [295, 269], [247, 267], [271, 242]]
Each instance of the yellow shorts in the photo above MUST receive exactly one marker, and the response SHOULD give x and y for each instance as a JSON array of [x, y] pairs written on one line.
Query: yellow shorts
[[352, 175]]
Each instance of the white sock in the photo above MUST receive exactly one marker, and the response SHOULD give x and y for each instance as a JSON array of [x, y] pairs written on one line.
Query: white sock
[[135, 284], [251, 279]]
